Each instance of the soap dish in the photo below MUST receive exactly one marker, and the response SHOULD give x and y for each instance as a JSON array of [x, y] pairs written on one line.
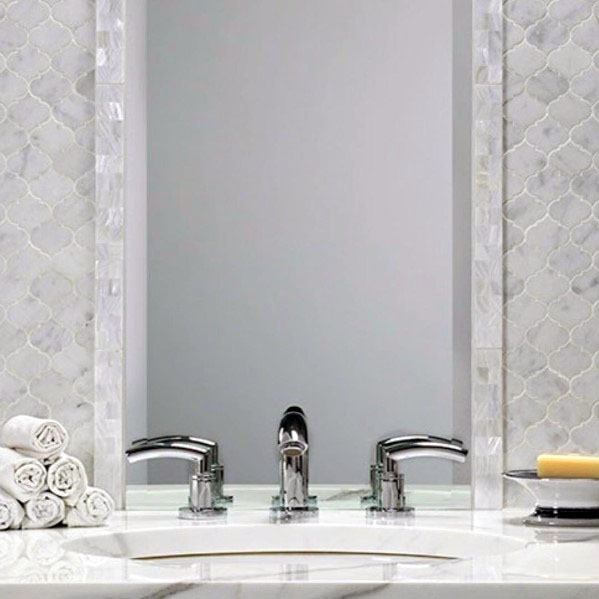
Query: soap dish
[[560, 501]]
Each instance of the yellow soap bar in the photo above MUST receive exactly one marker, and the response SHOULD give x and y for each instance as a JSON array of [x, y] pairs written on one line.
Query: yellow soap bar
[[567, 466]]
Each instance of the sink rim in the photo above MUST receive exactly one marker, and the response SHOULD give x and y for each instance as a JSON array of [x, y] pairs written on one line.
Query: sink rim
[[257, 538]]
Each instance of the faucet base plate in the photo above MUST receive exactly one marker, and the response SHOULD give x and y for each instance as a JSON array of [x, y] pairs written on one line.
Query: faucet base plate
[[187, 513], [276, 502], [374, 511], [286, 514]]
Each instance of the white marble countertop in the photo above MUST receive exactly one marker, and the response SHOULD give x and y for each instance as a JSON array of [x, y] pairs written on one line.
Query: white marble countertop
[[74, 563]]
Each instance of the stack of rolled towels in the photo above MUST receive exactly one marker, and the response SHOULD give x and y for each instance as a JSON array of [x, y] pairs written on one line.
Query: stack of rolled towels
[[42, 486]]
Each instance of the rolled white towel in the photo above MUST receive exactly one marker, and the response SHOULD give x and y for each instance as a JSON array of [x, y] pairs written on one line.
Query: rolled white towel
[[36, 437], [67, 479], [20, 476], [93, 508], [11, 512], [43, 511]]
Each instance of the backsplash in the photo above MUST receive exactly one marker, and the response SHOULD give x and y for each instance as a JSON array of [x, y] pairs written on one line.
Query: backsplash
[[551, 183], [47, 56]]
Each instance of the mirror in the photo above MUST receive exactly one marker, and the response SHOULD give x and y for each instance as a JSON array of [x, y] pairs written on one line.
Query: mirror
[[308, 229]]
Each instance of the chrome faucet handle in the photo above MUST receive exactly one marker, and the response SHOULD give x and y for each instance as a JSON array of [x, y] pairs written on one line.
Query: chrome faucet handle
[[377, 467], [399, 445], [202, 501], [212, 446], [402, 439], [388, 483], [397, 452]]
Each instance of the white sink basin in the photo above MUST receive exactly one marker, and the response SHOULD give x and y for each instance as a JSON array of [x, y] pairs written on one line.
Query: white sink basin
[[227, 539], [319, 551]]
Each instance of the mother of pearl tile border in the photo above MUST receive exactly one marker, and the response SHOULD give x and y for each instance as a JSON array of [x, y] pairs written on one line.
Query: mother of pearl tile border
[[109, 357], [487, 248], [487, 251]]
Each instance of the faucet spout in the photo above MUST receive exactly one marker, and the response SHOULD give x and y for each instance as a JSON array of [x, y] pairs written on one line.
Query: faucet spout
[[293, 433], [293, 448]]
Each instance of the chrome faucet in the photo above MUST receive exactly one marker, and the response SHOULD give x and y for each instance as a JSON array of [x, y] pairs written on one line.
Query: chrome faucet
[[205, 479], [387, 482], [293, 449]]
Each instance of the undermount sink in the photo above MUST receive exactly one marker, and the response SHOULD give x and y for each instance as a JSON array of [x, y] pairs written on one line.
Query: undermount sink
[[294, 551]]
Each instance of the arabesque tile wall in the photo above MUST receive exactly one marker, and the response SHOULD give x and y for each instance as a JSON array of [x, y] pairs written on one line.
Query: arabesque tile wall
[[551, 219], [47, 239]]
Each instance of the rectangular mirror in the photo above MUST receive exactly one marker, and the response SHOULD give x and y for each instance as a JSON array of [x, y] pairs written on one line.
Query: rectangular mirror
[[308, 230]]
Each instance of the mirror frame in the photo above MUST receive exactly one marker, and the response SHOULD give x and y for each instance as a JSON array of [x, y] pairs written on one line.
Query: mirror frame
[[486, 252]]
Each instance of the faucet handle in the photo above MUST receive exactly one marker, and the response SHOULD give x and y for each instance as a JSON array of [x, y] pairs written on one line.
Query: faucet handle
[[388, 493], [203, 487], [213, 445], [186, 440], [180, 451], [404, 439], [405, 450]]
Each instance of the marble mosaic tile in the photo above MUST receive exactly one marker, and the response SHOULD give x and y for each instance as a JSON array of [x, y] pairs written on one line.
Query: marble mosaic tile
[[551, 366], [46, 318]]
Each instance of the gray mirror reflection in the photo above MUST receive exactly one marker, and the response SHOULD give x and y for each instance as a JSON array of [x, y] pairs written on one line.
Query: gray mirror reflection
[[308, 204]]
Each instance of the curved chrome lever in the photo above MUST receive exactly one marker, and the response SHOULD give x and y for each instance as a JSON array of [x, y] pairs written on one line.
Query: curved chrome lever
[[202, 499], [211, 446], [392, 441], [153, 451], [395, 452], [389, 442], [387, 482]]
